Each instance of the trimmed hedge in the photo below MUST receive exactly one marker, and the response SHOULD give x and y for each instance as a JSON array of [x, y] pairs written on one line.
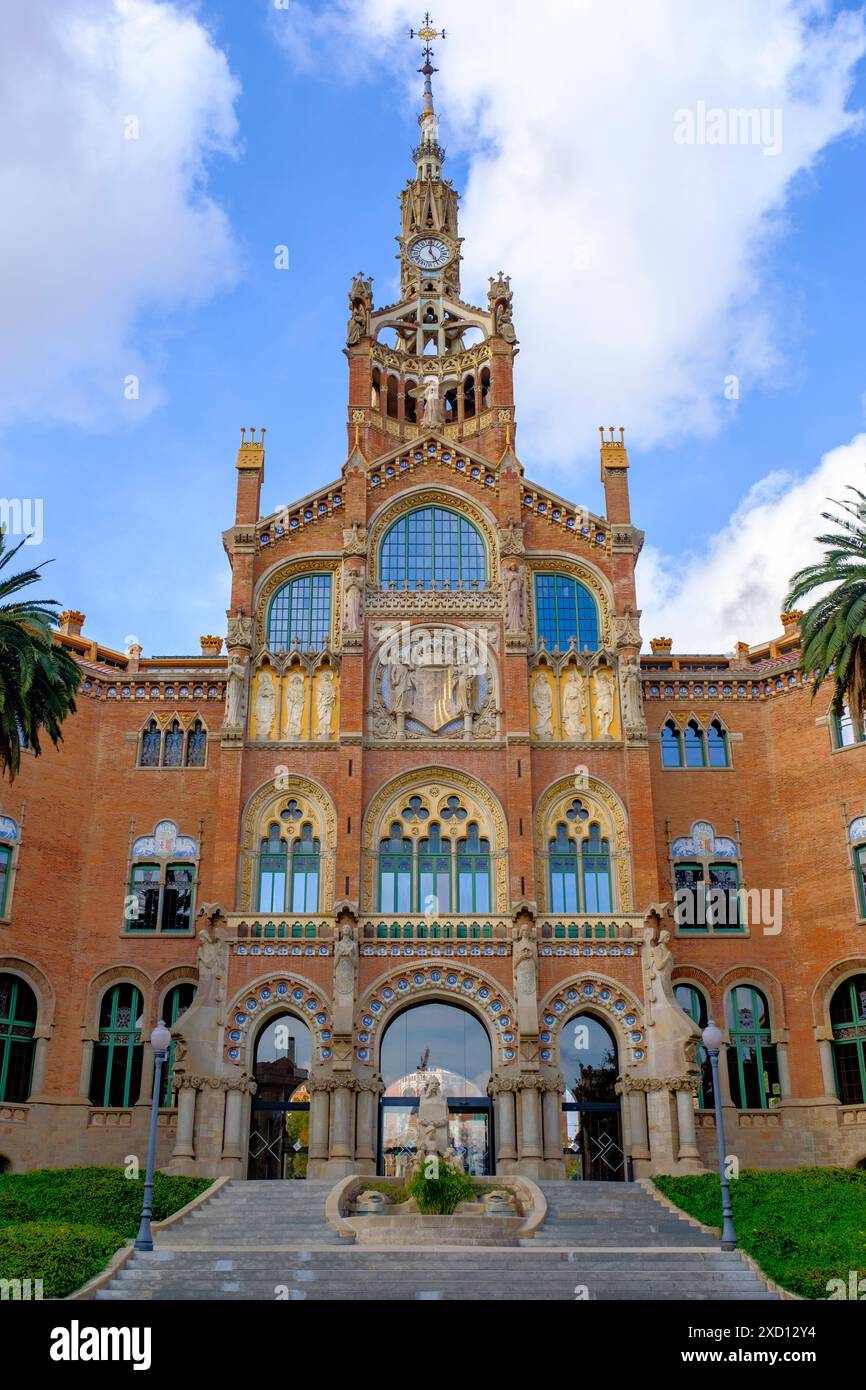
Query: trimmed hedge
[[63, 1256], [63, 1225], [804, 1227], [91, 1196]]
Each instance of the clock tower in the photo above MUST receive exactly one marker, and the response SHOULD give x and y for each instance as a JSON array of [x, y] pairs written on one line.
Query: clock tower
[[430, 361]]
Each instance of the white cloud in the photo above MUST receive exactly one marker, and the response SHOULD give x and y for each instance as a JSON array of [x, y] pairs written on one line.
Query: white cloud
[[99, 229], [734, 591], [638, 263]]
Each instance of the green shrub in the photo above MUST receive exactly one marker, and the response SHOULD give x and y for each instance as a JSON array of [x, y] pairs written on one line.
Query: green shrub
[[63, 1256], [396, 1191], [803, 1227], [91, 1196], [442, 1195]]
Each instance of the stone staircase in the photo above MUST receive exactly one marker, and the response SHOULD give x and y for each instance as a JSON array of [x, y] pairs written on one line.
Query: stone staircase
[[270, 1240]]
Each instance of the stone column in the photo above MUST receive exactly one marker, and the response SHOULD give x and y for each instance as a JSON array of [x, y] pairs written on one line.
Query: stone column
[[661, 1123], [506, 1133], [37, 1083], [365, 1124], [529, 1139], [784, 1070], [184, 1145], [86, 1067], [342, 1137], [232, 1128], [687, 1154], [825, 1052], [320, 1111], [551, 1114]]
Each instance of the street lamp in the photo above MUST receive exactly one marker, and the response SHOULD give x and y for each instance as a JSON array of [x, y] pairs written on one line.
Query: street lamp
[[712, 1041], [160, 1041]]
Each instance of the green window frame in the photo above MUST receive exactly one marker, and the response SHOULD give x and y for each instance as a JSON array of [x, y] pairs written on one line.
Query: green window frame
[[752, 1064], [671, 745], [860, 871], [165, 896], [176, 1002], [432, 546], [848, 1021], [718, 752], [395, 872], [595, 863], [115, 1077], [694, 750], [18, 1010], [5, 876], [565, 612], [300, 614], [305, 872], [273, 872], [562, 868], [846, 732], [693, 1002], [434, 872], [473, 873]]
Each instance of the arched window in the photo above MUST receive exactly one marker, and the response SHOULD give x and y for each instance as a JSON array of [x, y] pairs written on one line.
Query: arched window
[[162, 881], [273, 871], [391, 397], [300, 614], [848, 1019], [672, 745], [17, 1042], [176, 1002], [717, 745], [706, 878], [434, 873], [432, 546], [151, 745], [196, 745], [469, 397], [846, 731], [473, 873], [564, 896], [485, 387], [115, 1077], [752, 1067], [395, 872], [174, 742], [376, 390], [565, 611], [596, 872], [692, 1001], [5, 875], [857, 836], [305, 872], [693, 741]]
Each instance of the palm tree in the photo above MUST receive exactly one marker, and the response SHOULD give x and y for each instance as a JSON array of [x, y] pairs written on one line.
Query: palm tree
[[38, 679], [833, 630]]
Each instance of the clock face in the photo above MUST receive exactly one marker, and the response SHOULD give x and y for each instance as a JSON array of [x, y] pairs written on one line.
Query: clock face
[[429, 253]]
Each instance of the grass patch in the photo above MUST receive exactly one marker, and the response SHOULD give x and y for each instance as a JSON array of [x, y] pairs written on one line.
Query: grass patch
[[63, 1225], [803, 1227], [395, 1190]]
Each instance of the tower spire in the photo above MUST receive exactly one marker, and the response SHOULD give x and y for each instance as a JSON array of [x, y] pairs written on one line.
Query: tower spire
[[428, 155]]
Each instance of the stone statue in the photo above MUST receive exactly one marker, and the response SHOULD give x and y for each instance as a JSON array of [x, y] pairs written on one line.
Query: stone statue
[[504, 324], [213, 962], [240, 632], [433, 1139], [603, 700], [574, 705], [295, 695], [632, 697], [542, 700], [360, 304], [236, 693], [266, 705], [429, 394], [514, 617], [525, 963], [326, 698], [402, 690], [673, 1033], [354, 600], [355, 539], [345, 977], [463, 688]]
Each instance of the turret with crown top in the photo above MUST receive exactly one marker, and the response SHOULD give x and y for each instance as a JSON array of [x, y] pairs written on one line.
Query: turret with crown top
[[431, 359]]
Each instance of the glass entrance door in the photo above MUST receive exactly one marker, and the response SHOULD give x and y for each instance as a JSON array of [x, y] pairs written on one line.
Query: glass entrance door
[[470, 1129], [279, 1140], [592, 1143]]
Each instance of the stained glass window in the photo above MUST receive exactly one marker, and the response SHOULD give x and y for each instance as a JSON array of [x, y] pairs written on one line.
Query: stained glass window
[[17, 1042], [300, 614], [565, 611], [115, 1078], [430, 546]]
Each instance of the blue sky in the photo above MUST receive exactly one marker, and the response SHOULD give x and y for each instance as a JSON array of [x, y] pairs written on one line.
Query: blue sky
[[136, 494]]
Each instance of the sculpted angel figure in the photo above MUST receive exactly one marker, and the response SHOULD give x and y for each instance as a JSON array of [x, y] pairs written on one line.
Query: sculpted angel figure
[[236, 693], [266, 705], [574, 706], [429, 394], [401, 687], [603, 700], [294, 705], [326, 698], [542, 700]]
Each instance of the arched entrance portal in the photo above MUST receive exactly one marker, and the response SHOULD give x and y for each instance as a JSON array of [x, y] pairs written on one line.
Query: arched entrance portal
[[450, 1041], [591, 1125], [280, 1113]]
